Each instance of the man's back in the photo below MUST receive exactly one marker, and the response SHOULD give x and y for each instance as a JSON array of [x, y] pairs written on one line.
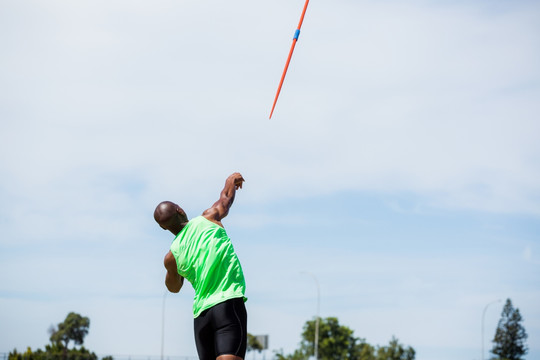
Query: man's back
[[205, 256]]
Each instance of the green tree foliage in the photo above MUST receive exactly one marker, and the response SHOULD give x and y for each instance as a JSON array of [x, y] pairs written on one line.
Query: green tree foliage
[[253, 344], [337, 342], [53, 352], [395, 351], [74, 328], [510, 336], [297, 355]]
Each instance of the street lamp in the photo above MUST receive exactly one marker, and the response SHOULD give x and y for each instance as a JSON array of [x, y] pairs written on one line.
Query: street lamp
[[483, 316], [163, 324], [316, 351]]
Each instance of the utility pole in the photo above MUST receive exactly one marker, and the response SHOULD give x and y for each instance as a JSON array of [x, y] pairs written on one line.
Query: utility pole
[[483, 316]]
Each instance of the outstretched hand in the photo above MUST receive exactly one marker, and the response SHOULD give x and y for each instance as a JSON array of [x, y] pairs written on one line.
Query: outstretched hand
[[237, 180], [220, 209]]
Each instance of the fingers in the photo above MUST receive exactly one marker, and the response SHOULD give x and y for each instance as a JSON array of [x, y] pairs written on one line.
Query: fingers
[[238, 184], [238, 179]]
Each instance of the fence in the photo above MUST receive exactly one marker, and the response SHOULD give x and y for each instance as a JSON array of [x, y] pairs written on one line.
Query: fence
[[265, 355], [254, 355], [23, 356], [150, 357]]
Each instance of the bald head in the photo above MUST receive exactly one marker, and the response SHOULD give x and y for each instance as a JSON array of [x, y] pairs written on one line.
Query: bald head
[[165, 211], [170, 217]]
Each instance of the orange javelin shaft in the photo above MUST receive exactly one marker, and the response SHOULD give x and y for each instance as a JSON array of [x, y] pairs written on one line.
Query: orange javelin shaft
[[283, 77], [295, 39]]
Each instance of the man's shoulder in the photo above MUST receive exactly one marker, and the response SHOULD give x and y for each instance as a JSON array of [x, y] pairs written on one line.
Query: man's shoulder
[[199, 221], [210, 213], [169, 260]]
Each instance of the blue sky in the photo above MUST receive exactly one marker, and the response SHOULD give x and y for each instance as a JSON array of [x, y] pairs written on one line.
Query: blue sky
[[401, 166]]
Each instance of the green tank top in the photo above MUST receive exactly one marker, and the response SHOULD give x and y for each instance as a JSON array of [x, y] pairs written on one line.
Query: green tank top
[[205, 257]]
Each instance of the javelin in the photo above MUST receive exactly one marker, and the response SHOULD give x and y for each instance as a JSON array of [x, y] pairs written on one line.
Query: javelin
[[295, 39]]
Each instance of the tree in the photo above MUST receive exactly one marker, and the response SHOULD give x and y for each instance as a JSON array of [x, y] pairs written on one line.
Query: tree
[[54, 352], [395, 351], [337, 342], [297, 355], [74, 328], [510, 336], [253, 344]]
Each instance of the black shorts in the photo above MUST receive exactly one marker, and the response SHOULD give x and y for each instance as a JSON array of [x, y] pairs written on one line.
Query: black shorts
[[222, 330]]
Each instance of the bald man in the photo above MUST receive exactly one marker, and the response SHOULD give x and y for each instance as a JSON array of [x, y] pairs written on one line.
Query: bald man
[[203, 254]]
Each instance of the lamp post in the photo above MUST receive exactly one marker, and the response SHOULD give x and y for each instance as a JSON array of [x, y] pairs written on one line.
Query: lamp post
[[316, 350], [483, 316], [163, 324]]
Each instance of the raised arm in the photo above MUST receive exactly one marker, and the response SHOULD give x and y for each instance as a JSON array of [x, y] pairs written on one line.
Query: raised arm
[[220, 209]]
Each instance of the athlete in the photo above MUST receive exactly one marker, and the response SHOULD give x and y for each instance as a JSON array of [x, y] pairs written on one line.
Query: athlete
[[203, 254]]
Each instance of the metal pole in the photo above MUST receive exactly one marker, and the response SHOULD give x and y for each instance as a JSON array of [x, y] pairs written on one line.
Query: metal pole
[[316, 350], [483, 316], [163, 324]]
